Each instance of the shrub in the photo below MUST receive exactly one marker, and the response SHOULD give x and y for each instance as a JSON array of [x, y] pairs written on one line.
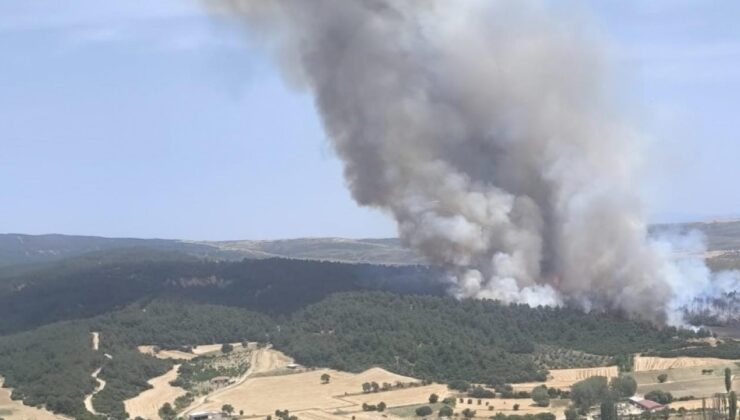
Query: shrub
[[662, 377], [424, 411], [446, 411]]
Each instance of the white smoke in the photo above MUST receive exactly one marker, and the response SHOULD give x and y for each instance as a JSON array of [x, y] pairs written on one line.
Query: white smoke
[[485, 128]]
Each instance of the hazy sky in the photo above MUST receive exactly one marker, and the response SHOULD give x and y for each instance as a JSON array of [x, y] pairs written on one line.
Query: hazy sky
[[147, 118]]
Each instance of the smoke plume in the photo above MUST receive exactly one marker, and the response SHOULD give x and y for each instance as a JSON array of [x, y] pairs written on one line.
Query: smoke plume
[[486, 129]]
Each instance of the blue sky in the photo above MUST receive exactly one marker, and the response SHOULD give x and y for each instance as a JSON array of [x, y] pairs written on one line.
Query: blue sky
[[148, 118]]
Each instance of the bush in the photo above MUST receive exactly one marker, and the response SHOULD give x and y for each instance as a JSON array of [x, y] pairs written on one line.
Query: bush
[[381, 406], [446, 411], [480, 392], [227, 348], [662, 377], [424, 411], [660, 397], [540, 396], [433, 398], [459, 385], [468, 413]]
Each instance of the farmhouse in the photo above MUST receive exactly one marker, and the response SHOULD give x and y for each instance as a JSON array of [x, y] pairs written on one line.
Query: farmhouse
[[207, 415], [645, 405]]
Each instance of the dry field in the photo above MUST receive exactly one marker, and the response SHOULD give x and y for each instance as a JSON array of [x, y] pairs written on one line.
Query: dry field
[[643, 364], [148, 403], [16, 410], [506, 406], [689, 381], [564, 378], [304, 392]]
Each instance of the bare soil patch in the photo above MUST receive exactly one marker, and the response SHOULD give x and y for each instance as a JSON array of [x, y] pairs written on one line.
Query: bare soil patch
[[148, 403]]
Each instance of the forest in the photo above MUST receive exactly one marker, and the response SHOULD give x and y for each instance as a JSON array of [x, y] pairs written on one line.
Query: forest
[[430, 337], [344, 316]]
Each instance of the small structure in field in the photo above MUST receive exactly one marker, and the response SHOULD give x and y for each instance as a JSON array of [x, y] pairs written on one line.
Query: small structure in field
[[293, 366], [207, 415], [645, 405]]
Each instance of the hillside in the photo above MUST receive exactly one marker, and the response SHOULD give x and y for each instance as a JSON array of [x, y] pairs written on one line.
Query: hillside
[[18, 249], [100, 282]]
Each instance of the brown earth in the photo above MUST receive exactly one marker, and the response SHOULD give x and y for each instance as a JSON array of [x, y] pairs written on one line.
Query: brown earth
[[148, 403]]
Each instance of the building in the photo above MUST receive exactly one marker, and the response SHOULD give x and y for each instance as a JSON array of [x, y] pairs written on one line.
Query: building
[[207, 415], [645, 405]]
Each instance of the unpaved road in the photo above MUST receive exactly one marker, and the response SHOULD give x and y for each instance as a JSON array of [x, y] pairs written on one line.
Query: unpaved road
[[260, 361], [101, 383], [100, 387]]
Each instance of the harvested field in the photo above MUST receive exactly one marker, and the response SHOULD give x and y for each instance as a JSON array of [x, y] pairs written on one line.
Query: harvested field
[[148, 403], [16, 410], [689, 381], [643, 364], [564, 378], [304, 391]]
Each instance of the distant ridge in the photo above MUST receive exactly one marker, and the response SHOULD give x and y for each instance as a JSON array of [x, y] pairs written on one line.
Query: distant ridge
[[19, 249]]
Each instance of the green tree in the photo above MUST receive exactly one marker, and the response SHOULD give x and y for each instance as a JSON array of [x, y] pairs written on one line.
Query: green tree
[[227, 408], [381, 406], [608, 410], [571, 414], [433, 398], [325, 378], [468, 413], [732, 405], [227, 348], [728, 379], [662, 377], [624, 386], [540, 396], [446, 411], [458, 385], [424, 411], [375, 386], [661, 397], [166, 412], [589, 392]]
